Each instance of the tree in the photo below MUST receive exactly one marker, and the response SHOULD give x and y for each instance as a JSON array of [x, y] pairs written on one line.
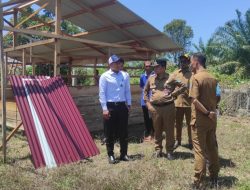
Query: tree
[[233, 42], [209, 49], [46, 16], [180, 33]]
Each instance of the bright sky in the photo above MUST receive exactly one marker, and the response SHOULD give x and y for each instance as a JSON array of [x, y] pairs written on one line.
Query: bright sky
[[204, 16]]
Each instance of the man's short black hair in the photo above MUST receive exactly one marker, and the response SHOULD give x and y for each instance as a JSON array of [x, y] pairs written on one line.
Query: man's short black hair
[[201, 58], [122, 60]]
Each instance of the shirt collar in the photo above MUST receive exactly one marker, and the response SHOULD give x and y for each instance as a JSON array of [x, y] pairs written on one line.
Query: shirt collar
[[163, 76], [204, 70], [112, 72]]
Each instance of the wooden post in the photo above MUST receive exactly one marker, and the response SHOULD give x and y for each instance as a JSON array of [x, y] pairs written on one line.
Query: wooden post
[[31, 61], [24, 62], [95, 76], [69, 72], [74, 79], [57, 50], [6, 67], [15, 23], [3, 85], [33, 68]]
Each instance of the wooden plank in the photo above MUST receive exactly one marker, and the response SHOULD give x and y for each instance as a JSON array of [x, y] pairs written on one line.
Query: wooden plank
[[49, 23], [12, 133], [24, 62], [51, 35], [57, 57], [38, 43], [14, 33], [3, 85], [12, 2], [30, 16], [57, 49]]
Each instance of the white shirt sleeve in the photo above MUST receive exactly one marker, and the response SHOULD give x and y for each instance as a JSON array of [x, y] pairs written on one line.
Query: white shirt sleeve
[[102, 94], [127, 90]]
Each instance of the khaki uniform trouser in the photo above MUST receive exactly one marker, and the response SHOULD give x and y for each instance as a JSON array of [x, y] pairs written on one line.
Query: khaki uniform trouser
[[205, 147], [180, 112], [163, 120]]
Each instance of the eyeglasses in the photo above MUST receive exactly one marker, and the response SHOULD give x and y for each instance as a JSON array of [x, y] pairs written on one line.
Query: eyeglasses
[[147, 66]]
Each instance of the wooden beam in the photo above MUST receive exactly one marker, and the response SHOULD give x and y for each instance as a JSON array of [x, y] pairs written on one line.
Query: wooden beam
[[49, 23], [6, 66], [12, 2], [3, 84], [30, 16], [12, 133], [15, 24], [70, 71], [33, 72], [9, 23], [38, 43], [57, 49], [107, 28], [51, 35], [18, 7], [24, 60]]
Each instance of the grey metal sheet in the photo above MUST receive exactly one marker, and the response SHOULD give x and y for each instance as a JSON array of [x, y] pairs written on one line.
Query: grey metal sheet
[[104, 16]]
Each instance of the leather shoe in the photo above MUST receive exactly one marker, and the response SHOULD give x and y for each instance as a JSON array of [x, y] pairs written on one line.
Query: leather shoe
[[190, 146], [124, 158], [170, 156], [112, 159], [176, 144]]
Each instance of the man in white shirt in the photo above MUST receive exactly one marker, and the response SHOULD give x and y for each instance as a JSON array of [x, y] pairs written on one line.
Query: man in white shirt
[[115, 99]]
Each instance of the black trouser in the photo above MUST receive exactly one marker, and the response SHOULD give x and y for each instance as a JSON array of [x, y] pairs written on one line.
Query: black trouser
[[147, 121], [117, 127]]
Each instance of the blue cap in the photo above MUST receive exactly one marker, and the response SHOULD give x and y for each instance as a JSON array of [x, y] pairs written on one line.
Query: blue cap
[[114, 58]]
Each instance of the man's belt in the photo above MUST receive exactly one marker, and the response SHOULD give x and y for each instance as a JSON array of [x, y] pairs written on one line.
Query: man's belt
[[164, 104], [115, 103]]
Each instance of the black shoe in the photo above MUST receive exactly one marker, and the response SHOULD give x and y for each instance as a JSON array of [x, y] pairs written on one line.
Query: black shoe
[[112, 160], [213, 183], [190, 146], [157, 154], [176, 144], [170, 156], [103, 141], [125, 158]]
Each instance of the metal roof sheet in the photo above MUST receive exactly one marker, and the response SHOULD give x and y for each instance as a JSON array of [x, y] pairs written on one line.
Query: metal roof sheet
[[55, 130], [105, 21]]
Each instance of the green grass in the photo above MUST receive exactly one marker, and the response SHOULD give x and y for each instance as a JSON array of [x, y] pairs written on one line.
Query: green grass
[[143, 173]]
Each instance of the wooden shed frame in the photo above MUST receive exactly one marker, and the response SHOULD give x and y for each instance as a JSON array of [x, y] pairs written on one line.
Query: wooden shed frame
[[137, 46]]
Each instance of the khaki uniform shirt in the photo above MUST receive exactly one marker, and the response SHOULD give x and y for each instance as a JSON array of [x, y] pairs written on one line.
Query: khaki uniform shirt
[[203, 88], [160, 90], [183, 99]]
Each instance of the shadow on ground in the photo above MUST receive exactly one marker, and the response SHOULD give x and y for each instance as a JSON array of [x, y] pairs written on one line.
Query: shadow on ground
[[226, 163], [183, 155], [227, 181]]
